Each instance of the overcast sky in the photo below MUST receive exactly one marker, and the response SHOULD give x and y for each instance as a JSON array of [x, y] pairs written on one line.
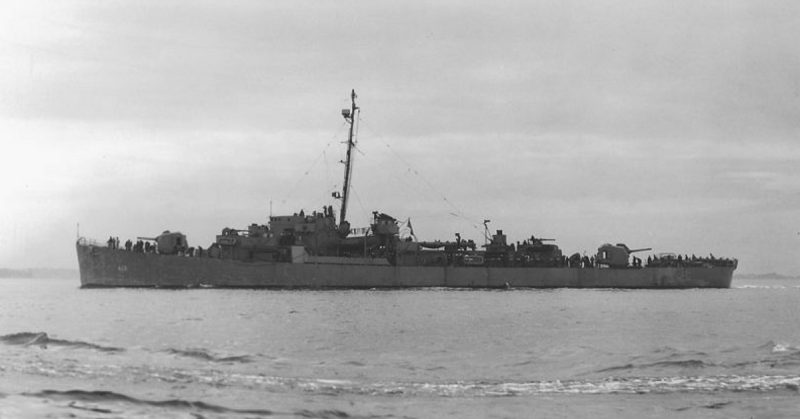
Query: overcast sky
[[672, 125]]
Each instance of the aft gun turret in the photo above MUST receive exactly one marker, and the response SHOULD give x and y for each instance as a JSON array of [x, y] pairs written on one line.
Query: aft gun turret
[[616, 256]]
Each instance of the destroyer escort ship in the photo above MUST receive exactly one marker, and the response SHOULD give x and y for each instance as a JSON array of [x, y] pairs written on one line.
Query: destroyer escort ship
[[319, 251]]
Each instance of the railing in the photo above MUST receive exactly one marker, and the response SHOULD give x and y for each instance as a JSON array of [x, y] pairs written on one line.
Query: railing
[[84, 241], [361, 231]]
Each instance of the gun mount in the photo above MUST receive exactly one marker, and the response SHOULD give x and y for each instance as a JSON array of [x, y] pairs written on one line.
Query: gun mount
[[169, 243], [616, 256]]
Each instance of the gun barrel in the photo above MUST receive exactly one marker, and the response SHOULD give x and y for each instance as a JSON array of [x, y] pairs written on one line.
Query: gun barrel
[[641, 250]]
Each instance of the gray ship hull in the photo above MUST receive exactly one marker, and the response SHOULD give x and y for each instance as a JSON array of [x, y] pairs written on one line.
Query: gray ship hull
[[105, 267]]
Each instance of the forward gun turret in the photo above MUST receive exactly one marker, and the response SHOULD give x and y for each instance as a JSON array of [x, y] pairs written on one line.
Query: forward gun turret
[[169, 243]]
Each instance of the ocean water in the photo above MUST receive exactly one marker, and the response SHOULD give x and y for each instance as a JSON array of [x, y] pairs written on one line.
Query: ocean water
[[205, 353]]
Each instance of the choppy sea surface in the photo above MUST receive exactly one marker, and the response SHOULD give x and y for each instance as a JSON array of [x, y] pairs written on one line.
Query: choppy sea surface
[[208, 353]]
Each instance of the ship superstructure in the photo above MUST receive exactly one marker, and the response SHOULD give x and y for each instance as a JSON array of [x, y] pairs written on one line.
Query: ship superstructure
[[317, 250]]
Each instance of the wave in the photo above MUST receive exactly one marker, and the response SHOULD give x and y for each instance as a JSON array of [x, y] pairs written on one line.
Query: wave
[[666, 357], [197, 408], [688, 363], [42, 340], [771, 354], [779, 355], [613, 385], [671, 352], [778, 347], [766, 287], [459, 389], [656, 384], [781, 352], [204, 355], [112, 397]]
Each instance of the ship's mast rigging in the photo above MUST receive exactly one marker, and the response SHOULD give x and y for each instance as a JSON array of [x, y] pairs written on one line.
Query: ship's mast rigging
[[349, 116]]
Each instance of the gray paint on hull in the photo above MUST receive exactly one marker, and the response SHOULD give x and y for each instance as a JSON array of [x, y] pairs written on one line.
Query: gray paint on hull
[[104, 267]]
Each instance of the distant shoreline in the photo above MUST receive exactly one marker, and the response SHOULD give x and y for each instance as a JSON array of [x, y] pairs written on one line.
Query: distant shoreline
[[771, 275], [40, 273]]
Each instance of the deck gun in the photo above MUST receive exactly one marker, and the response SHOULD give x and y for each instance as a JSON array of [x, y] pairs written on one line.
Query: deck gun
[[616, 256]]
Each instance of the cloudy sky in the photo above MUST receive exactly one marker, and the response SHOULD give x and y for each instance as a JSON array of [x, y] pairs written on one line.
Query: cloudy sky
[[672, 125]]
